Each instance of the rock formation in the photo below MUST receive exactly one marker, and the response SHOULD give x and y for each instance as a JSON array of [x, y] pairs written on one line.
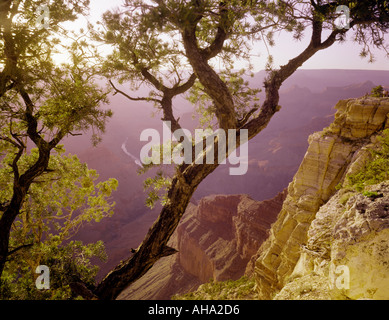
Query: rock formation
[[215, 240], [347, 252], [314, 234]]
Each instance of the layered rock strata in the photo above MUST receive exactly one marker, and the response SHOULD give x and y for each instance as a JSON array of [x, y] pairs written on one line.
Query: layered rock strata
[[332, 153], [347, 252], [215, 241], [224, 232]]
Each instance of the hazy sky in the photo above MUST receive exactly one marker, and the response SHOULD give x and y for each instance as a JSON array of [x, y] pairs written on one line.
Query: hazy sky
[[339, 56]]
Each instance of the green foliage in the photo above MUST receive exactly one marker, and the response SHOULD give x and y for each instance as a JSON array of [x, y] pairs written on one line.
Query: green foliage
[[346, 195], [65, 98], [157, 186], [241, 289], [376, 170], [58, 204], [377, 91], [41, 102], [68, 195], [68, 263], [371, 194]]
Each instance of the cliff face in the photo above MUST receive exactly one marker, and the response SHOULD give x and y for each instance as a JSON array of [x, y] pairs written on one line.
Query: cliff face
[[359, 241], [215, 241], [222, 234], [347, 251]]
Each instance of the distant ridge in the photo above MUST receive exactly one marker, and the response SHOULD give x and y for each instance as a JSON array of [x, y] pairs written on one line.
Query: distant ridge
[[317, 79]]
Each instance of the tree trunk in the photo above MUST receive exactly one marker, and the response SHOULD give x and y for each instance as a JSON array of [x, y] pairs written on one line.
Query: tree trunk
[[6, 222], [23, 182], [20, 189], [154, 246]]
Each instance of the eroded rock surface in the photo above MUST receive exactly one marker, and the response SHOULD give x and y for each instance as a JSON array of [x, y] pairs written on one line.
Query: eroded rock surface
[[332, 153], [347, 252]]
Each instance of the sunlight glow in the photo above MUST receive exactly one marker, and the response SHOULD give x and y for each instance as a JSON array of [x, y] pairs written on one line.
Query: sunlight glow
[[341, 56]]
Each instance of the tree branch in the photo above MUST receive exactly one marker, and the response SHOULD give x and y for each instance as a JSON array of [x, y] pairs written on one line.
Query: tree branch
[[80, 289], [19, 248], [213, 85], [131, 98], [277, 77], [246, 117], [153, 80], [75, 134], [176, 90]]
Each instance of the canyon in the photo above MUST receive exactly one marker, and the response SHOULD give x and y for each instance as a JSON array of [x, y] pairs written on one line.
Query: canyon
[[330, 239], [216, 240], [274, 157]]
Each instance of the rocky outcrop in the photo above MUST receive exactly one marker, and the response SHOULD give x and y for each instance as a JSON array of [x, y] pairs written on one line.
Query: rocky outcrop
[[347, 252], [332, 153], [215, 240], [223, 233]]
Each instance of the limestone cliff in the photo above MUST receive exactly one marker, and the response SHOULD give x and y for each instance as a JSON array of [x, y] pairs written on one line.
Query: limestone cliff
[[315, 232], [347, 252]]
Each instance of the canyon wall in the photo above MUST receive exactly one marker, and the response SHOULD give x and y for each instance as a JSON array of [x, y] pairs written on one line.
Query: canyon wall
[[216, 240], [347, 252], [314, 232]]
